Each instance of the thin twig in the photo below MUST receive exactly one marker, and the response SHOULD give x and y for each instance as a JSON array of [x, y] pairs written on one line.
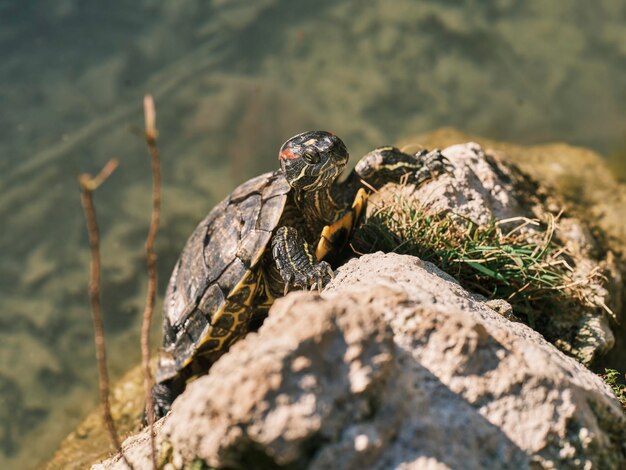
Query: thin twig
[[151, 140], [88, 185]]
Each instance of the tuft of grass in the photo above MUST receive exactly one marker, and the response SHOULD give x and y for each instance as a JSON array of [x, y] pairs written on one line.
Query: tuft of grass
[[498, 260], [199, 464], [611, 377]]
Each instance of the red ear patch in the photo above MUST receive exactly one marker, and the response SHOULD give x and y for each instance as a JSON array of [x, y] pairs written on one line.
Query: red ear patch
[[287, 154]]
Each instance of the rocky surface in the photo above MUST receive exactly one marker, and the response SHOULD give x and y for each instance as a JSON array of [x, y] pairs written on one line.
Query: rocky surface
[[90, 440], [394, 365], [579, 180], [482, 188], [290, 419], [226, 100]]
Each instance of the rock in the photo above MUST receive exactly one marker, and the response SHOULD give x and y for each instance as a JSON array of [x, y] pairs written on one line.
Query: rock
[[394, 365], [479, 187], [482, 188], [460, 385], [580, 180], [90, 440]]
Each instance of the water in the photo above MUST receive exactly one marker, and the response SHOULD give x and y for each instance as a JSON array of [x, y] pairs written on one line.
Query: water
[[232, 80]]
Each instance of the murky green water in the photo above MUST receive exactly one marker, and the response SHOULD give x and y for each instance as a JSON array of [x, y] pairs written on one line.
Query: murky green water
[[232, 80]]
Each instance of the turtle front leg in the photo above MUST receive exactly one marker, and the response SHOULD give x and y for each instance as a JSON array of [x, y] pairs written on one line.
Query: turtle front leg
[[296, 262], [387, 164], [335, 236]]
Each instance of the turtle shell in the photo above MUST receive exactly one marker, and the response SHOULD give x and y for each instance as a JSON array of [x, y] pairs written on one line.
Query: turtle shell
[[213, 288]]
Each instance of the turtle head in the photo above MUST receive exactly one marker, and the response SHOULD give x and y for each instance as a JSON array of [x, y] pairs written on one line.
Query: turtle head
[[313, 160]]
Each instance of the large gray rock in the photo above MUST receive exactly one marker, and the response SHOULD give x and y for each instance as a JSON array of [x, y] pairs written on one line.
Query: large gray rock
[[482, 188], [394, 365]]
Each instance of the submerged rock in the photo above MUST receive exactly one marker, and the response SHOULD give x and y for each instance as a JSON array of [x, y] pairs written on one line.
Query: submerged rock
[[394, 365]]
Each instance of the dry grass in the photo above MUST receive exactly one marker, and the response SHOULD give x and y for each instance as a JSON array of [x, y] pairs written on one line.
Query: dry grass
[[499, 260]]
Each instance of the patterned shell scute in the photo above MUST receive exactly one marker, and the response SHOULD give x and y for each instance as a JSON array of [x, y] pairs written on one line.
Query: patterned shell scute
[[270, 207], [191, 274], [211, 300], [226, 244], [260, 184]]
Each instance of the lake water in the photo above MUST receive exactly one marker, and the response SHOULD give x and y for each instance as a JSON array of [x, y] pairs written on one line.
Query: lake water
[[232, 80]]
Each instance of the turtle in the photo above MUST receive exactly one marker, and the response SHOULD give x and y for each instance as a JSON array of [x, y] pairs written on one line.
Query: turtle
[[269, 236]]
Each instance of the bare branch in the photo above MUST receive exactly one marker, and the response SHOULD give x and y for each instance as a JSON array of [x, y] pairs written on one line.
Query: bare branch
[[88, 185], [150, 136]]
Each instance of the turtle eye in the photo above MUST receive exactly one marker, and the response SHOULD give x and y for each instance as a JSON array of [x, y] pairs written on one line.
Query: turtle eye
[[311, 157]]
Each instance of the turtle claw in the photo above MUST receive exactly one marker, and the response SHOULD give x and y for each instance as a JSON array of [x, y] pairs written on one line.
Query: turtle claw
[[315, 277], [437, 162], [296, 265], [324, 271], [434, 164], [318, 284]]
